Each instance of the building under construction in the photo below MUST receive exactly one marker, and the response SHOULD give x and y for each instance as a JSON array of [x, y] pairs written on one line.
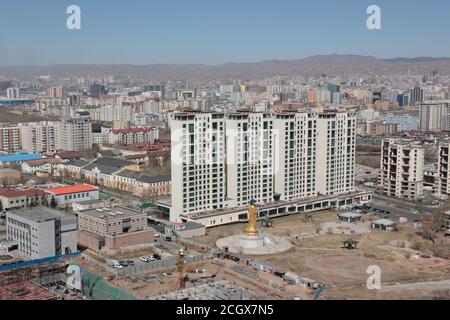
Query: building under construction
[[210, 290], [29, 283]]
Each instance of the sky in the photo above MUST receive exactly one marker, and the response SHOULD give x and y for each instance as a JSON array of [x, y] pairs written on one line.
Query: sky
[[217, 31]]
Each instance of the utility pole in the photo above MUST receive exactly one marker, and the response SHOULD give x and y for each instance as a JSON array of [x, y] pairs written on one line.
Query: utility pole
[[181, 279]]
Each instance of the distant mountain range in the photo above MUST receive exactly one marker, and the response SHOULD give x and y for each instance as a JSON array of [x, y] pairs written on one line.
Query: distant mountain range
[[310, 66]]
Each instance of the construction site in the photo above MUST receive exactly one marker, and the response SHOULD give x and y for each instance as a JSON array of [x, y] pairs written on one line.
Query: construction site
[[329, 259]]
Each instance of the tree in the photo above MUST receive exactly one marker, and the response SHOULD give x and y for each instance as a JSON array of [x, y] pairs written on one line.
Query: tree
[[53, 203]]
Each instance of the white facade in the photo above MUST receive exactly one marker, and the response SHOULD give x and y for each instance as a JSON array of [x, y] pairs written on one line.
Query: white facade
[[42, 232], [223, 161], [13, 93], [295, 156], [335, 153], [198, 163], [69, 197], [402, 169], [249, 150], [434, 115]]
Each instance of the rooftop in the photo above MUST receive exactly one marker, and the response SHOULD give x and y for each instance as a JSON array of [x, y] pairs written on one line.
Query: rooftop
[[111, 213], [10, 193], [384, 222], [72, 189], [41, 214], [20, 157]]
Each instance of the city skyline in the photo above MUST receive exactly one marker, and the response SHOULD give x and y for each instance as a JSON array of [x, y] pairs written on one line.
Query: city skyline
[[214, 33]]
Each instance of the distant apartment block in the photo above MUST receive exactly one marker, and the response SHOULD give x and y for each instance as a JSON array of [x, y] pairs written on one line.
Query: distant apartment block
[[434, 115], [39, 136], [55, 92], [402, 169], [13, 93], [75, 134], [42, 232], [133, 136], [10, 138]]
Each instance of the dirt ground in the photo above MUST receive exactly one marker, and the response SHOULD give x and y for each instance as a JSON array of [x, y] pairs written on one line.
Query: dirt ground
[[266, 287], [323, 259]]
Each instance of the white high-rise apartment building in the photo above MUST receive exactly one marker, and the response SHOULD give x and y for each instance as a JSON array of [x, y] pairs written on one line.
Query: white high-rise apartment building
[[335, 152], [402, 169], [434, 115], [295, 156], [39, 136], [228, 160], [249, 149], [75, 134], [443, 184], [198, 163], [13, 93]]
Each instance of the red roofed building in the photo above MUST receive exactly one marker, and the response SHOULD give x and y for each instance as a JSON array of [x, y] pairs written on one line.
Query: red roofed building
[[13, 199], [134, 135], [73, 194]]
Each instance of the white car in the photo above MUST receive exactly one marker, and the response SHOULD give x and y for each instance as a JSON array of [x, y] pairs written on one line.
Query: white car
[[147, 258], [156, 235], [118, 266]]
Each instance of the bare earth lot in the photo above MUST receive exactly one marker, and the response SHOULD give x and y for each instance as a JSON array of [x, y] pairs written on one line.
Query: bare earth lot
[[323, 259]]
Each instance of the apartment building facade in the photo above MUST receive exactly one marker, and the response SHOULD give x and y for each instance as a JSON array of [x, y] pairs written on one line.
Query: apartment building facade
[[198, 162], [434, 115], [443, 177], [133, 136], [10, 138], [402, 169], [249, 158], [75, 134], [39, 136], [264, 156]]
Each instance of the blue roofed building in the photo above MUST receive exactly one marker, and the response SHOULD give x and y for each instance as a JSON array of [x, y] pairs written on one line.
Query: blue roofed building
[[19, 157]]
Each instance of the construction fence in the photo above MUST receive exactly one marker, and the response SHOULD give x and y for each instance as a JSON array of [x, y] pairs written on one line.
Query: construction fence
[[168, 262]]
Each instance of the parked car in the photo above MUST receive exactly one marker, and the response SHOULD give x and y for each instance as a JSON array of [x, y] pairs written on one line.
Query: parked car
[[157, 256]]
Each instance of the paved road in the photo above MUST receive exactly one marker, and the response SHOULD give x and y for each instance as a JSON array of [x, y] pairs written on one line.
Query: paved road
[[398, 208]]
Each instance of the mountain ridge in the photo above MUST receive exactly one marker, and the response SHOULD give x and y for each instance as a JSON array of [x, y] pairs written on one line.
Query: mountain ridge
[[333, 64]]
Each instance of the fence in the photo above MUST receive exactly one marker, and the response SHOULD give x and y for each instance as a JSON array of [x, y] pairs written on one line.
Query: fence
[[168, 262], [37, 262]]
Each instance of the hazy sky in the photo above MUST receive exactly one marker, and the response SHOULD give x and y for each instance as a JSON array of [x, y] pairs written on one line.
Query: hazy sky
[[217, 31]]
